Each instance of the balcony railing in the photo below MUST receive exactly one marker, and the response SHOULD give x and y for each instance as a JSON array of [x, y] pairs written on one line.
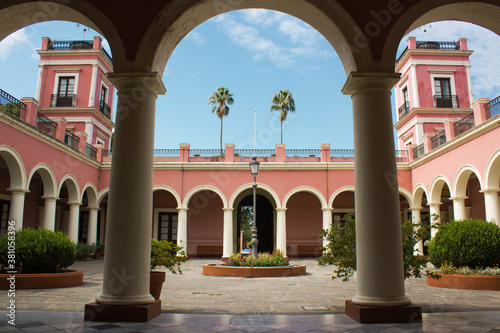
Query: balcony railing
[[72, 140], [12, 105], [105, 109], [248, 152], [91, 151], [344, 153], [446, 101], [107, 153], [71, 45], [166, 152], [464, 124], [438, 140], [438, 45], [492, 108], [46, 125], [401, 156], [418, 151], [404, 109], [59, 100], [303, 152]]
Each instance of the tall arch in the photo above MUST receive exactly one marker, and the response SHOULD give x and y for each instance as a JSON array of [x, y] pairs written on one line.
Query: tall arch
[[308, 189], [437, 187], [91, 191], [72, 186], [201, 188], [418, 194], [246, 187], [48, 178], [339, 191], [16, 167], [462, 178], [171, 191], [492, 172]]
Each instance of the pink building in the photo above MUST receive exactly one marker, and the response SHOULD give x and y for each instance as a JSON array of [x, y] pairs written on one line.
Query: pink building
[[56, 159]]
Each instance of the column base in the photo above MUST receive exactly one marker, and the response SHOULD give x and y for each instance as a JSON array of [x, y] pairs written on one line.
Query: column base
[[380, 314], [122, 313]]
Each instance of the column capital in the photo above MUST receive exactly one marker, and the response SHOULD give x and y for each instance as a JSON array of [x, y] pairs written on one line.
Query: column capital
[[150, 81], [228, 209], [434, 203], [490, 190], [358, 81], [458, 198], [182, 209], [18, 190], [74, 203], [281, 209], [50, 197], [94, 207], [416, 208], [327, 209]]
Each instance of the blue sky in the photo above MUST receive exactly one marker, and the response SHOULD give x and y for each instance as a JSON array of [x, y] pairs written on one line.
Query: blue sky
[[254, 53]]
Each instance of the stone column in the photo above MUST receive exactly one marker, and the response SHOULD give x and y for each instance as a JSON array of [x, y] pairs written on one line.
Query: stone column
[[327, 221], [73, 220], [182, 228], [459, 208], [380, 278], [92, 227], [16, 210], [128, 233], [281, 230], [492, 205], [435, 215], [227, 237], [49, 216], [417, 218]]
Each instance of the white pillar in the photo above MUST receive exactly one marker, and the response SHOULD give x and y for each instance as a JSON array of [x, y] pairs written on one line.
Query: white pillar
[[281, 230], [492, 205], [92, 227], [227, 248], [327, 221], [459, 208], [435, 216], [39, 83], [16, 210], [182, 228], [93, 86], [73, 220], [417, 218], [128, 230], [380, 278], [49, 216]]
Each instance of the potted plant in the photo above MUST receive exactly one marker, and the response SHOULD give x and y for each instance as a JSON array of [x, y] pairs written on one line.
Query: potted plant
[[167, 254], [99, 250], [83, 250]]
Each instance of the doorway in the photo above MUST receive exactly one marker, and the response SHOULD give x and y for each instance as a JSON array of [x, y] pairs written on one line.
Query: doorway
[[265, 222]]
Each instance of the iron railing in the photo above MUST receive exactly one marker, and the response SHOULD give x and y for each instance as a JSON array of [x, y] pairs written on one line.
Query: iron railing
[[450, 101], [342, 153], [71, 45], [492, 108], [205, 152], [438, 139], [248, 152], [418, 151], [464, 124], [404, 109], [438, 45], [166, 152], [63, 100], [91, 151], [303, 152], [401, 156], [105, 109], [72, 140], [46, 125], [107, 153], [12, 105]]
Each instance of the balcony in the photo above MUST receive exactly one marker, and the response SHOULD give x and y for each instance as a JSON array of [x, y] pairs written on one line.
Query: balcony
[[418, 151], [464, 124], [438, 140], [105, 109], [12, 105], [492, 108], [76, 45], [71, 140], [46, 125], [438, 45], [59, 100], [404, 109], [91, 151], [446, 101]]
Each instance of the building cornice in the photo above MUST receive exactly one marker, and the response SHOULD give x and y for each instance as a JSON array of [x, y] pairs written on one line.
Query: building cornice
[[415, 111], [74, 110], [411, 52]]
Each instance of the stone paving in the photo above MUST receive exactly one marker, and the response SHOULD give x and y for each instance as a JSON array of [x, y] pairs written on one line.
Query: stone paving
[[314, 293]]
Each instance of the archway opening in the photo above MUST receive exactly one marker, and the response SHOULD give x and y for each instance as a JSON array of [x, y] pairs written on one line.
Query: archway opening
[[34, 203], [404, 208], [165, 216], [474, 204], [264, 218], [343, 205], [4, 195]]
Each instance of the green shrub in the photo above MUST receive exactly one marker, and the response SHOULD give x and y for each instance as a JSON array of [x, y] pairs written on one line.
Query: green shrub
[[83, 250], [167, 254], [263, 260], [99, 247], [39, 250], [472, 243]]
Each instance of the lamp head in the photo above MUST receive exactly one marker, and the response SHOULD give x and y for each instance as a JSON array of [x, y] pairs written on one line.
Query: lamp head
[[254, 166]]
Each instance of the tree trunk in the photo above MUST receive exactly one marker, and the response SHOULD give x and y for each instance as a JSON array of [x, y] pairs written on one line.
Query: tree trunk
[[281, 130], [221, 137]]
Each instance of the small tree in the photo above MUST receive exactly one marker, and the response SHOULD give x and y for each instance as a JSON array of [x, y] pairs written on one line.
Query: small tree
[[283, 102], [220, 100]]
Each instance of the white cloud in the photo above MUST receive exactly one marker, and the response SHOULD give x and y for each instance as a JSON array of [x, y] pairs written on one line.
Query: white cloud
[[15, 42], [484, 61], [196, 37]]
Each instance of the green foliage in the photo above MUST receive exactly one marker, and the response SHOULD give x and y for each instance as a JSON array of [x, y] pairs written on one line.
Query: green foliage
[[283, 102], [12, 108], [220, 100], [39, 250], [168, 254], [264, 260], [84, 249], [471, 243], [341, 248], [448, 268], [99, 247]]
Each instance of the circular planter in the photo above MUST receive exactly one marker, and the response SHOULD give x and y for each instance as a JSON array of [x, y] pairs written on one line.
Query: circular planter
[[462, 281], [254, 272], [156, 280], [69, 278]]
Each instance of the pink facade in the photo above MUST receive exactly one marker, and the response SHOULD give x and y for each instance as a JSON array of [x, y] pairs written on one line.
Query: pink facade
[[197, 197]]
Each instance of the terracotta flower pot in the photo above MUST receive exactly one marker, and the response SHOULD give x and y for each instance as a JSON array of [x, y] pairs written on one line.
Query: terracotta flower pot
[[156, 280]]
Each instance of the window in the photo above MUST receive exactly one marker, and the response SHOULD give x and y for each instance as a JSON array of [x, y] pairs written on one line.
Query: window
[[4, 216], [65, 92], [443, 97], [167, 226], [103, 107], [104, 92], [405, 95]]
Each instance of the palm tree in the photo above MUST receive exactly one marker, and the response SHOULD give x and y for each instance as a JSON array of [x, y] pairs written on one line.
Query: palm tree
[[220, 100], [284, 103]]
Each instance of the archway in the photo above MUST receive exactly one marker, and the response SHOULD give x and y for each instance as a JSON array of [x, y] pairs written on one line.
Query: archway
[[165, 215], [343, 205]]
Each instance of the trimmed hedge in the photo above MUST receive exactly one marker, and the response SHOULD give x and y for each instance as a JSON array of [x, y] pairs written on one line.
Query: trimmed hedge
[[472, 243], [39, 250]]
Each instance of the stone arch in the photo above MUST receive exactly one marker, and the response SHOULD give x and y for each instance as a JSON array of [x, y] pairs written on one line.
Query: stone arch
[[246, 187], [175, 21], [492, 172], [16, 167], [339, 191], [101, 195], [437, 187], [308, 189], [171, 191], [480, 13], [73, 188], [408, 196], [91, 190], [418, 194], [48, 179], [201, 188], [462, 178]]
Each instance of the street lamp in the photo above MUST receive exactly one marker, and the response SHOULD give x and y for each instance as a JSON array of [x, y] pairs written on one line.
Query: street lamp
[[254, 168]]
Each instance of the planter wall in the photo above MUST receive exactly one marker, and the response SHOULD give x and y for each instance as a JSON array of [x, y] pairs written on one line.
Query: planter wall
[[254, 272], [461, 281], [69, 278]]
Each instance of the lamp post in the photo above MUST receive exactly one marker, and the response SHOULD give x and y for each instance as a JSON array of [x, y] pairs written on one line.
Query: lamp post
[[254, 168]]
